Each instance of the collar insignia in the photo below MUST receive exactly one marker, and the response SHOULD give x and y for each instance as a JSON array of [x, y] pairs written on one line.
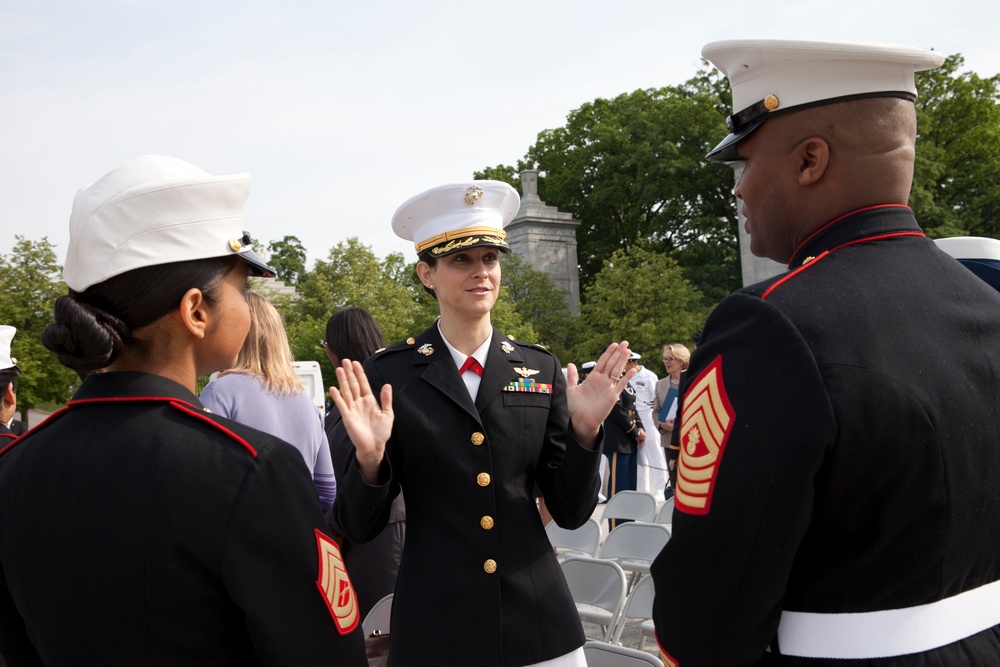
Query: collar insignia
[[506, 347], [526, 372], [426, 349]]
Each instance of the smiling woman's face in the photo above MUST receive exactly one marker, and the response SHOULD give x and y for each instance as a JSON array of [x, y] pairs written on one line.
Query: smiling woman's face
[[466, 283]]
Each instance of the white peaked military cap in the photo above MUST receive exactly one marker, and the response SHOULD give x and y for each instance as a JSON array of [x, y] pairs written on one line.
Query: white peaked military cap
[[457, 216], [6, 336], [774, 76], [156, 210], [588, 365], [634, 356]]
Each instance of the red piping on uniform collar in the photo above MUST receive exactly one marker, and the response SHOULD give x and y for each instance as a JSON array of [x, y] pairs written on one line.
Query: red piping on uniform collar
[[805, 266], [176, 403], [846, 215], [789, 276]]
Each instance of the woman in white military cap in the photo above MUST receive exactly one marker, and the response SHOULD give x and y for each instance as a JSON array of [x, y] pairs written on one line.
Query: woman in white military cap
[[470, 424], [136, 527]]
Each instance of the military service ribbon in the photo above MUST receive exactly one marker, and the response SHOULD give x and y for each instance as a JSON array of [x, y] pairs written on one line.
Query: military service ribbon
[[529, 386]]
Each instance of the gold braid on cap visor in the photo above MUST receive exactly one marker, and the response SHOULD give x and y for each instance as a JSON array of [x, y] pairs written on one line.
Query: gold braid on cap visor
[[463, 238]]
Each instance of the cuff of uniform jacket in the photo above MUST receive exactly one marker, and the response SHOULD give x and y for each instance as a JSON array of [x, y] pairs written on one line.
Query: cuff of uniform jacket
[[362, 509]]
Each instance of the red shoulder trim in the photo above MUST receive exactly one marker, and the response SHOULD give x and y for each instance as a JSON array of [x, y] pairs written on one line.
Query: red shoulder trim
[[789, 276], [879, 237], [175, 403], [189, 409], [48, 420]]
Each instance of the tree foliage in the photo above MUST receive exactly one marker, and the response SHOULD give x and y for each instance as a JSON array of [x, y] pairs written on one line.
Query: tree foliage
[[288, 259], [31, 285], [639, 295], [956, 188], [632, 169]]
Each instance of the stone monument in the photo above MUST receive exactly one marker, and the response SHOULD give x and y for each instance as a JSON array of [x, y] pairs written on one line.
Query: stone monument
[[546, 238]]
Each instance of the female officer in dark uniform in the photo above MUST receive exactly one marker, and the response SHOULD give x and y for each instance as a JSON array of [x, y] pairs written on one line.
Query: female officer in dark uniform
[[135, 527], [470, 422]]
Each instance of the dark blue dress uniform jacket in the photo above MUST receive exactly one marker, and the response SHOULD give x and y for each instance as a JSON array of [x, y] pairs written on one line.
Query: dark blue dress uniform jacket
[[135, 531], [479, 583], [860, 471]]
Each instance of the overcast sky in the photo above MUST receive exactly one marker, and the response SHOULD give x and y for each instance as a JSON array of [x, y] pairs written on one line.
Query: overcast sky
[[343, 110]]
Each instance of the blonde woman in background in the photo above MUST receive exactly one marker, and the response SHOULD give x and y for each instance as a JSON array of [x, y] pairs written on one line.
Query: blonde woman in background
[[262, 391], [676, 358]]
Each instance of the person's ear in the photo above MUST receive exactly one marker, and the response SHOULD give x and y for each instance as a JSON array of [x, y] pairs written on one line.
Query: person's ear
[[9, 395], [194, 312], [424, 273], [812, 156]]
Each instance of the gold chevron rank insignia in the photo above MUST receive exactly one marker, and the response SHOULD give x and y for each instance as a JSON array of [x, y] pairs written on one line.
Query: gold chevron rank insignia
[[335, 586], [706, 421]]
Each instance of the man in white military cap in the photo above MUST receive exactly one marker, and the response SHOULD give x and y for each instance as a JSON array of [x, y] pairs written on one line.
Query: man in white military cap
[[9, 372], [838, 425]]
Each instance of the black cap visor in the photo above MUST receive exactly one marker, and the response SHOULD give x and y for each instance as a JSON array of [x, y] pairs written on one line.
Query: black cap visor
[[726, 150], [258, 268]]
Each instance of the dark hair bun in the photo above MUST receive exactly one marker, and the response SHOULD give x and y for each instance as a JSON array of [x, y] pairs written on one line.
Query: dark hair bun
[[84, 337]]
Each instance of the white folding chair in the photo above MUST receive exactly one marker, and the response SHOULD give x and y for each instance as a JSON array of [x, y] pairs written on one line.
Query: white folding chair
[[634, 545], [378, 617], [638, 606], [598, 589], [600, 654], [583, 541], [665, 514], [635, 505]]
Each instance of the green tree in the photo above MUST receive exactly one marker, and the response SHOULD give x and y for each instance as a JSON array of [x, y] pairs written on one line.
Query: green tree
[[639, 295], [632, 170], [956, 190], [351, 275], [501, 172], [288, 259], [31, 285]]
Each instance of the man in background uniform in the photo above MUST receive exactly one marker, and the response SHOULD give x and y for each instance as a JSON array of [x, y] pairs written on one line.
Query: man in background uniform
[[623, 434], [840, 423], [9, 372]]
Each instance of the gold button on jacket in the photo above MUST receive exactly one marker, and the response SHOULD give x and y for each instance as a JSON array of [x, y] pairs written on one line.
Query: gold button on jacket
[[478, 438], [490, 566], [486, 522], [483, 479]]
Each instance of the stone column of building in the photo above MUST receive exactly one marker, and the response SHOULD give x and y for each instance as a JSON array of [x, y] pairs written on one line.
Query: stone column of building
[[546, 237], [755, 269]]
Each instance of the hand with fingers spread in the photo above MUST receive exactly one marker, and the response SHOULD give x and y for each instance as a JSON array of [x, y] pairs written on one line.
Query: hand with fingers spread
[[591, 402], [368, 424]]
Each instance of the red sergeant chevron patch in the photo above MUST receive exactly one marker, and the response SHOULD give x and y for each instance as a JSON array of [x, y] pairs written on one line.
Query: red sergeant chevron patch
[[335, 586], [706, 420]]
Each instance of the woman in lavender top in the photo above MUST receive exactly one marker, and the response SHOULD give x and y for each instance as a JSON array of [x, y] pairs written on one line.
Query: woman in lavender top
[[262, 391]]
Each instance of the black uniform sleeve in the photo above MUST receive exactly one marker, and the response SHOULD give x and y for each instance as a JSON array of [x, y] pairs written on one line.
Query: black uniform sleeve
[[567, 473], [271, 566], [720, 580]]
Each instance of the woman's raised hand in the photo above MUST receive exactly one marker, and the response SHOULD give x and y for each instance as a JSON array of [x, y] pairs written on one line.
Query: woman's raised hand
[[590, 403], [368, 425]]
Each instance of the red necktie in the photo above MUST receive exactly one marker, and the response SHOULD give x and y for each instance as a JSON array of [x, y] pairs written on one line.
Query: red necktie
[[471, 365]]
